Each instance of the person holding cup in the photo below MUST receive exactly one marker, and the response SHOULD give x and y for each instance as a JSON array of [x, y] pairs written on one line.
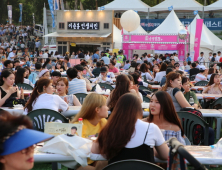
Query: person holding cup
[[104, 77], [62, 89]]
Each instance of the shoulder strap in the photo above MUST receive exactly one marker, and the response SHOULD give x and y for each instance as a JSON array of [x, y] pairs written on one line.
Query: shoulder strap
[[146, 132]]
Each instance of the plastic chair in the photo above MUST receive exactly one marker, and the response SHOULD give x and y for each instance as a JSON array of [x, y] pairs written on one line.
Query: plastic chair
[[103, 86], [188, 121], [24, 86], [132, 164], [146, 99], [192, 78], [40, 116], [201, 83], [217, 104], [81, 97], [145, 89]]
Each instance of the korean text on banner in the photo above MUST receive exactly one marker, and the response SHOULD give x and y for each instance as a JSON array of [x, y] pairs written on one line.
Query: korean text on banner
[[20, 8], [199, 26], [52, 12]]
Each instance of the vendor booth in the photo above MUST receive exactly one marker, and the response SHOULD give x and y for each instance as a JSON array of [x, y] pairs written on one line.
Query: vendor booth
[[158, 43]]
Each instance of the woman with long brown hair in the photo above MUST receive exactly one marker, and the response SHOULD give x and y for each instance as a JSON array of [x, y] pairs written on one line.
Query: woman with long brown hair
[[146, 72], [42, 98], [214, 86], [125, 136], [122, 87], [172, 87], [163, 114], [161, 73]]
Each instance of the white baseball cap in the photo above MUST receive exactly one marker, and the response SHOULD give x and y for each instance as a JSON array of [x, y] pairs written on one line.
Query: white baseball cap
[[202, 67]]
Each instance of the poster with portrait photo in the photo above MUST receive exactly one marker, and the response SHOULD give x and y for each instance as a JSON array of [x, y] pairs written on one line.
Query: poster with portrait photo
[[56, 129]]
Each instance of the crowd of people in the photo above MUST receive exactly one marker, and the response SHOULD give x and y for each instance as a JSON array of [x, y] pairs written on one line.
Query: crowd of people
[[55, 82]]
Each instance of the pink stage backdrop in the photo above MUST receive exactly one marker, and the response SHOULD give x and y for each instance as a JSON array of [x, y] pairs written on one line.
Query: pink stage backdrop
[[199, 26]]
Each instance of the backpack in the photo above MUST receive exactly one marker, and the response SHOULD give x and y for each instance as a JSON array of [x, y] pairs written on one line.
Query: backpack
[[32, 77]]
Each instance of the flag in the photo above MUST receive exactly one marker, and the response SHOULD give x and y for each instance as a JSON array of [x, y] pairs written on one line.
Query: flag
[[52, 12], [195, 12], [199, 26], [102, 7], [56, 4], [9, 13], [62, 4], [20, 8], [170, 8]]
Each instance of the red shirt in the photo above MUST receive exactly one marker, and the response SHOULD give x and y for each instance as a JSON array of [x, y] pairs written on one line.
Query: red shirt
[[114, 70], [220, 59]]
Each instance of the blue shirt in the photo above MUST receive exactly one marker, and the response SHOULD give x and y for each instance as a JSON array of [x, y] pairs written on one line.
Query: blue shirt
[[126, 66], [106, 60], [77, 86], [27, 64], [95, 56], [188, 59]]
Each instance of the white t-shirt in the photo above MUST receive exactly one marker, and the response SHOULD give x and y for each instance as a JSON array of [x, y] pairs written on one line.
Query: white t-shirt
[[217, 59], [45, 55], [176, 59], [87, 57], [148, 76], [159, 76], [154, 136], [49, 101], [11, 54], [201, 60]]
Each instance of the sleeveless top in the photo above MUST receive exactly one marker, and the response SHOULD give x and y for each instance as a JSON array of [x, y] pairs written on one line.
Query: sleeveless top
[[142, 152], [172, 91], [3, 93], [69, 98]]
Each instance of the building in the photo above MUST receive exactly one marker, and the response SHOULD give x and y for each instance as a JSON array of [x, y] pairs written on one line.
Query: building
[[83, 29]]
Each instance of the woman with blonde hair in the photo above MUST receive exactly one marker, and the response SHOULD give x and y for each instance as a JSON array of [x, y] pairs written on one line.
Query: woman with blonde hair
[[93, 112], [62, 91]]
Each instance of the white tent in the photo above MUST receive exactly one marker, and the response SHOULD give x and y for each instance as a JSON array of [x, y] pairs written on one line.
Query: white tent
[[171, 25], [214, 6], [139, 30], [180, 5], [209, 41], [124, 5]]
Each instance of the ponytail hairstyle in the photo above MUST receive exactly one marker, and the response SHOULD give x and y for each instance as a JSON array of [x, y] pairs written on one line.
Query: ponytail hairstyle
[[5, 73], [46, 62], [9, 125], [19, 75], [36, 92]]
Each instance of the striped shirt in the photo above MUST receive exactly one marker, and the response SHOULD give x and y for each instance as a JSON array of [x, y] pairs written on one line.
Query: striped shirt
[[77, 86]]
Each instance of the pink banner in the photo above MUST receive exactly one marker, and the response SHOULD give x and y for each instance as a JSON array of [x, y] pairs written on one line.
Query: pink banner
[[164, 47], [199, 26], [154, 38]]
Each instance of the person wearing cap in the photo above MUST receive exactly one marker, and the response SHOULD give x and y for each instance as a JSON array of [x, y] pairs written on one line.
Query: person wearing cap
[[103, 77], [201, 59], [202, 75], [107, 53], [12, 54], [43, 74], [18, 141]]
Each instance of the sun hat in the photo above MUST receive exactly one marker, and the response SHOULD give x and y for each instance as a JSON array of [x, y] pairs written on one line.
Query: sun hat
[[43, 72], [22, 140]]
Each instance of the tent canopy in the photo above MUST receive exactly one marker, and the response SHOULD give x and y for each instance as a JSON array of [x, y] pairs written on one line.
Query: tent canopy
[[208, 39], [214, 6], [124, 5], [178, 5], [171, 25]]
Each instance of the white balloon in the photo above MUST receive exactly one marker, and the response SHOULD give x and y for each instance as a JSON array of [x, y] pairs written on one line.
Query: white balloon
[[130, 20]]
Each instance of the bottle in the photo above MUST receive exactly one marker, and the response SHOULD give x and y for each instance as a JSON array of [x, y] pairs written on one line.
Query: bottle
[[191, 100], [80, 121]]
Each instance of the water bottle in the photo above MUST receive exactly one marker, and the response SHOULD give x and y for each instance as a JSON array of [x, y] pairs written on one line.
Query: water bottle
[[80, 121], [191, 101]]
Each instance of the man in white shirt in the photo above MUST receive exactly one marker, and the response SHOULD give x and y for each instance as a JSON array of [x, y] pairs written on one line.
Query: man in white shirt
[[202, 75], [12, 55], [217, 59], [210, 56], [176, 58], [201, 59], [45, 55], [37, 44]]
